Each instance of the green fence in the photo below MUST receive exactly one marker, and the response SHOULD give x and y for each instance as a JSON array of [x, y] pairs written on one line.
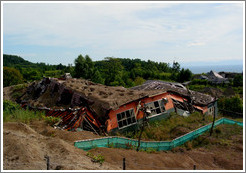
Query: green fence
[[121, 142]]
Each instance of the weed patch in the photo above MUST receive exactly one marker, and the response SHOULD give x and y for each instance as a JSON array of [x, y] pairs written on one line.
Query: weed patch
[[96, 158]]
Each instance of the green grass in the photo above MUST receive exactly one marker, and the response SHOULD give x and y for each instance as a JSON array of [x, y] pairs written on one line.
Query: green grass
[[223, 136], [169, 129], [21, 115], [12, 112]]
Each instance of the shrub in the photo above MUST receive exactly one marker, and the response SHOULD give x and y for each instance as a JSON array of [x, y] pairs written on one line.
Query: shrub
[[11, 76], [96, 158], [9, 106], [232, 104], [49, 120], [151, 150]]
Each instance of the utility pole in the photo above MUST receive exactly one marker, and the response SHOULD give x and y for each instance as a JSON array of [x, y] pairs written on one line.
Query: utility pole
[[146, 112], [211, 130]]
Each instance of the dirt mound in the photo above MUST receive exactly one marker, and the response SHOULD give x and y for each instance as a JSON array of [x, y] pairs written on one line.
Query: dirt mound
[[15, 91], [70, 137], [25, 149], [178, 159], [25, 146]]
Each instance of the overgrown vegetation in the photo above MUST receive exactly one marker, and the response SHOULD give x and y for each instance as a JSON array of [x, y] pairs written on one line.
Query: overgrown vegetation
[[168, 129], [236, 85], [11, 76], [96, 158], [49, 120], [232, 104], [12, 112], [223, 135]]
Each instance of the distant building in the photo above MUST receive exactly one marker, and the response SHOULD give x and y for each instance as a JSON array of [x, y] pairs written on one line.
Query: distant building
[[203, 77], [216, 78]]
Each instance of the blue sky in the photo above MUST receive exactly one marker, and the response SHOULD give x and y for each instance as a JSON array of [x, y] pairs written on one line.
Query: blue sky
[[190, 33]]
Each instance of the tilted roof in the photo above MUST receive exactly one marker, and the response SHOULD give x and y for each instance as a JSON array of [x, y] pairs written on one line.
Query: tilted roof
[[197, 97], [214, 74], [100, 98]]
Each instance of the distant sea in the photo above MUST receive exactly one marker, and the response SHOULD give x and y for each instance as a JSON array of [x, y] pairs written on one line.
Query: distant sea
[[205, 69]]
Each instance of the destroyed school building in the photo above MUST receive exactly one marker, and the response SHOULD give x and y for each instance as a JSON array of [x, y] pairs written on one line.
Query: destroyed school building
[[84, 105]]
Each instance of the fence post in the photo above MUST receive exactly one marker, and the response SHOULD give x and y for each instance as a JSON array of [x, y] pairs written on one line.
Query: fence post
[[194, 167], [47, 161], [124, 163]]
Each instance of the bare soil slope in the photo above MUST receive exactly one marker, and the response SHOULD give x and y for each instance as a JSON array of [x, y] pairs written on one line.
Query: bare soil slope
[[25, 146], [25, 149]]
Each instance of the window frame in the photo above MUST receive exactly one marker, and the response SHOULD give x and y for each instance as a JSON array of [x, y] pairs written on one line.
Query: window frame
[[126, 118], [161, 107]]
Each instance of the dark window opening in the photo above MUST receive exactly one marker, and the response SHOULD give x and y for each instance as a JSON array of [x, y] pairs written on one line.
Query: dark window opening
[[126, 118], [66, 97], [156, 107]]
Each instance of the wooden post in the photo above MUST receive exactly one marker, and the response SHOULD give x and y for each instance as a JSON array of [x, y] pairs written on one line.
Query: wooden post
[[139, 138], [47, 161], [211, 130], [142, 128], [194, 167], [124, 163]]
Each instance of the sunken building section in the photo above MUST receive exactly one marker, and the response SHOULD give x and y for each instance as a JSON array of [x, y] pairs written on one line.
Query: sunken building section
[[84, 105]]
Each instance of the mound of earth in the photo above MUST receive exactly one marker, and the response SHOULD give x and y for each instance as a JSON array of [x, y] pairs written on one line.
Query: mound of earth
[[15, 91], [24, 148]]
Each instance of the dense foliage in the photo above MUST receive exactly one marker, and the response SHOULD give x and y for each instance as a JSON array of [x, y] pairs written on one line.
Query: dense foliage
[[238, 80], [11, 76], [110, 71], [18, 70], [233, 104]]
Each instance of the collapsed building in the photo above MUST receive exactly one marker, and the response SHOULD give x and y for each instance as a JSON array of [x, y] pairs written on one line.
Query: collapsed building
[[84, 105]]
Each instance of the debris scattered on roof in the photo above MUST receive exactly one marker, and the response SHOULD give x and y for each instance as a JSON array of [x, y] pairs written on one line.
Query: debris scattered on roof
[[199, 98]]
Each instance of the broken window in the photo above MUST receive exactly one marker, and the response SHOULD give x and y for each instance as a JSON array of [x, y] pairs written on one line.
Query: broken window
[[156, 107], [126, 118], [179, 105]]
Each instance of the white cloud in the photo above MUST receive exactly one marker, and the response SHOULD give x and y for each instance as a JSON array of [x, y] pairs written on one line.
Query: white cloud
[[120, 27]]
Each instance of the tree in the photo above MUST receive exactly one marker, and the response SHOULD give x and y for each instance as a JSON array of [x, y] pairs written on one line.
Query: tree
[[139, 81], [176, 67], [114, 72], [184, 75], [11, 76], [97, 78], [238, 80], [84, 67]]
